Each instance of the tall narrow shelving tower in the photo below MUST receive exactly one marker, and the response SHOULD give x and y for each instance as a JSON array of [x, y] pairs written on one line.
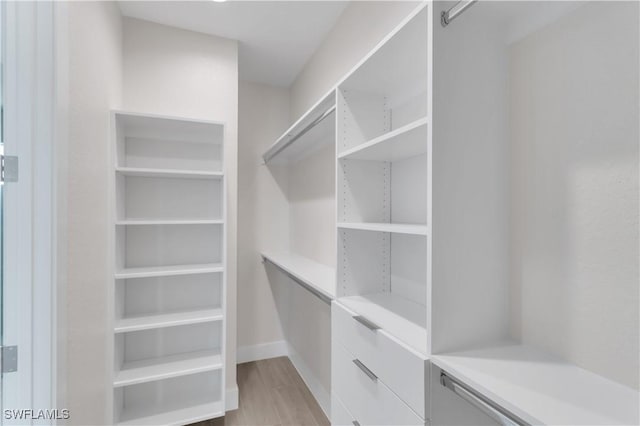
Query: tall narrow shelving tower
[[169, 270], [380, 340]]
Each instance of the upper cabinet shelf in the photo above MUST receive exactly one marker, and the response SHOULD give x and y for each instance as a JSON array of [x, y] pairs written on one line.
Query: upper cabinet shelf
[[405, 142], [312, 131]]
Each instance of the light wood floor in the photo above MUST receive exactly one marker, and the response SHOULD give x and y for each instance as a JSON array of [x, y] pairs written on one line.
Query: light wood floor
[[272, 393]]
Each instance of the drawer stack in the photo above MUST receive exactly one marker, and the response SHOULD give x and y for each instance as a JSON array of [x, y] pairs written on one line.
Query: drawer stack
[[375, 378]]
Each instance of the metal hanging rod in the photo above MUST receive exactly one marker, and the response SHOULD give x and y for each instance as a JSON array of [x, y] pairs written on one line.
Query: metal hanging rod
[[456, 10], [302, 132], [499, 414]]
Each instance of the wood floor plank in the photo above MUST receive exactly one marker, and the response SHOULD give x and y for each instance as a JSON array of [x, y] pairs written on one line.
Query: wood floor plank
[[292, 407], [256, 402], [319, 416], [274, 372], [271, 393]]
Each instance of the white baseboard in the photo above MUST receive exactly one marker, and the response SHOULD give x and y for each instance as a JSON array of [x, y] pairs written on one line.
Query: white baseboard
[[317, 390], [262, 351], [231, 399]]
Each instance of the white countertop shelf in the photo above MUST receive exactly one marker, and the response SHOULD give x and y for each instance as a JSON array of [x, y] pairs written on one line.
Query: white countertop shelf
[[308, 137], [541, 388], [134, 222], [166, 271], [397, 228], [404, 142], [149, 370], [172, 319], [169, 173], [180, 416], [402, 318], [318, 278]]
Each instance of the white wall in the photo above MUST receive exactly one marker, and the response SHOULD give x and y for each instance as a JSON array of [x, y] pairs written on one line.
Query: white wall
[[362, 25], [312, 205], [95, 81], [262, 212], [574, 132], [183, 73]]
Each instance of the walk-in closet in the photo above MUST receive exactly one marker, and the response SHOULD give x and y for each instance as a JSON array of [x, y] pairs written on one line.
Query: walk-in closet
[[314, 213]]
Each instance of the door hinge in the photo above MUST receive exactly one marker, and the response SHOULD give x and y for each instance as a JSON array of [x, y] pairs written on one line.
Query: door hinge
[[8, 168], [9, 358]]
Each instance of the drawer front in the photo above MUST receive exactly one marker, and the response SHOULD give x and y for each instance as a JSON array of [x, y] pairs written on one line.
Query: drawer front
[[364, 396], [402, 370], [340, 416]]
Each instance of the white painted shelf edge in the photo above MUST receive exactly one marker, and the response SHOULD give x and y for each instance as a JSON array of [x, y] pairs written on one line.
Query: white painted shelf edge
[[169, 173], [136, 222], [541, 388], [173, 319], [180, 416], [403, 319], [321, 278], [389, 147], [397, 228], [166, 271], [150, 370], [326, 102]]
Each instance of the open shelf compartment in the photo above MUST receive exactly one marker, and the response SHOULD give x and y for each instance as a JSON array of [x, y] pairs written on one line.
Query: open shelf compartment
[[383, 277], [388, 90], [161, 246], [174, 401], [168, 198], [146, 141]]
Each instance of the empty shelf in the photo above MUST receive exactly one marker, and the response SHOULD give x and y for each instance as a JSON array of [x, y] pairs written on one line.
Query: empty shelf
[[165, 271], [405, 142], [318, 278], [167, 367], [398, 228], [167, 320], [314, 129], [402, 318], [131, 222], [541, 388], [181, 416], [169, 173]]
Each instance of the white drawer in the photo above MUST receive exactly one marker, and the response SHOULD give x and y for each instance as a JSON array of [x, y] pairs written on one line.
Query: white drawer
[[340, 416], [364, 396], [404, 371]]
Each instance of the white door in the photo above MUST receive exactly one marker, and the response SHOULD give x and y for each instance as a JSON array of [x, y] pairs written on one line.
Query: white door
[[26, 278]]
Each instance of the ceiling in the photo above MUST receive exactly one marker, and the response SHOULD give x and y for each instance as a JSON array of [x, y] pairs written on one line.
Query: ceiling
[[276, 37]]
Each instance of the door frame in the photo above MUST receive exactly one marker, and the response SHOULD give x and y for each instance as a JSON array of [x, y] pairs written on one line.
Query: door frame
[[30, 266]]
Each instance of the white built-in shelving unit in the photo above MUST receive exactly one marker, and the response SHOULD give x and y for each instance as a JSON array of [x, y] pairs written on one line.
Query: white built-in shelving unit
[[380, 317], [169, 270], [383, 169], [427, 315]]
